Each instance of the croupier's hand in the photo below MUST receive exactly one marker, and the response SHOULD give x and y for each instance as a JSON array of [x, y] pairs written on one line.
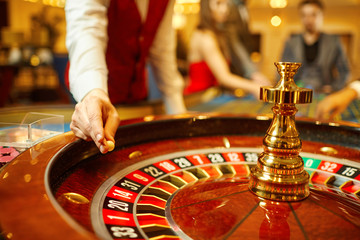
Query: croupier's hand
[[95, 118]]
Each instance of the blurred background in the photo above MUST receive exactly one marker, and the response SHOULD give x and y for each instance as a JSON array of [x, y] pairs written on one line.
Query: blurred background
[[33, 55]]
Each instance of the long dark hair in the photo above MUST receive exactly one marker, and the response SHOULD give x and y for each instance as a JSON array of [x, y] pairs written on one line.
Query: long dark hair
[[318, 3], [206, 22]]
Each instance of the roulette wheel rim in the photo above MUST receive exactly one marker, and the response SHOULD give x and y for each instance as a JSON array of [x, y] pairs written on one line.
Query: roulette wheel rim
[[66, 145]]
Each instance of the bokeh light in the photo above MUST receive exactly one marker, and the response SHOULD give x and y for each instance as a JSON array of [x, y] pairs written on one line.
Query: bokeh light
[[275, 21], [278, 3]]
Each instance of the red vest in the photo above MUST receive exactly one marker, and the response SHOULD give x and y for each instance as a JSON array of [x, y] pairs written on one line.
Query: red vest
[[128, 47], [129, 41]]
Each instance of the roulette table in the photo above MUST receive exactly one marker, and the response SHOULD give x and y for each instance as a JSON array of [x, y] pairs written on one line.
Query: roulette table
[[193, 176], [224, 102], [180, 177]]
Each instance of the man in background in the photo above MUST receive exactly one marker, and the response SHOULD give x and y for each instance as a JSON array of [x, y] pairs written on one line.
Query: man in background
[[325, 67]]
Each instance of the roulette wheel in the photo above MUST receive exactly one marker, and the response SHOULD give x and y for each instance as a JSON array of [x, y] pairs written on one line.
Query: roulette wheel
[[202, 176]]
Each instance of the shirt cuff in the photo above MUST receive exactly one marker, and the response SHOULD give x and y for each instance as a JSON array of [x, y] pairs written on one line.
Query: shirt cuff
[[174, 104], [86, 82], [356, 86]]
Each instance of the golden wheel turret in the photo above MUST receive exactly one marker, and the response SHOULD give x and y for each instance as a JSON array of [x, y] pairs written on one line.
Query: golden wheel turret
[[279, 174]]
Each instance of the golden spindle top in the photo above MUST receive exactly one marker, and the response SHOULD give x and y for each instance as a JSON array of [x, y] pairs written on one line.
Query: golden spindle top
[[286, 91], [287, 70]]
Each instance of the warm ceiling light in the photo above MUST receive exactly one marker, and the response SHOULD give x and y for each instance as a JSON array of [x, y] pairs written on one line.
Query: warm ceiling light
[[179, 9], [275, 21], [187, 1], [52, 3], [178, 21], [278, 3]]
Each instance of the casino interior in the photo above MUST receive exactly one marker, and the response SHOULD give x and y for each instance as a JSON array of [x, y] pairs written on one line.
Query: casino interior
[[231, 167]]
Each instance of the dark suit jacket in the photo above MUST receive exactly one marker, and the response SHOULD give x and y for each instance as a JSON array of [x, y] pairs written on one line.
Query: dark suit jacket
[[330, 67]]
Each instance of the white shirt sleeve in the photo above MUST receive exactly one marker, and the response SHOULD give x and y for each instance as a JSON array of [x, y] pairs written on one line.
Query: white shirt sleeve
[[162, 58], [356, 86], [86, 40]]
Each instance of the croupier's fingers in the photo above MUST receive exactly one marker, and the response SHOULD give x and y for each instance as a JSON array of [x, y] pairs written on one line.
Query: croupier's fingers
[[111, 125], [79, 122], [96, 125]]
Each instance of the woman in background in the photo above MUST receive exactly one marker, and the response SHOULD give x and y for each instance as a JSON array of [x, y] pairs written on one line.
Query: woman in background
[[209, 54]]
